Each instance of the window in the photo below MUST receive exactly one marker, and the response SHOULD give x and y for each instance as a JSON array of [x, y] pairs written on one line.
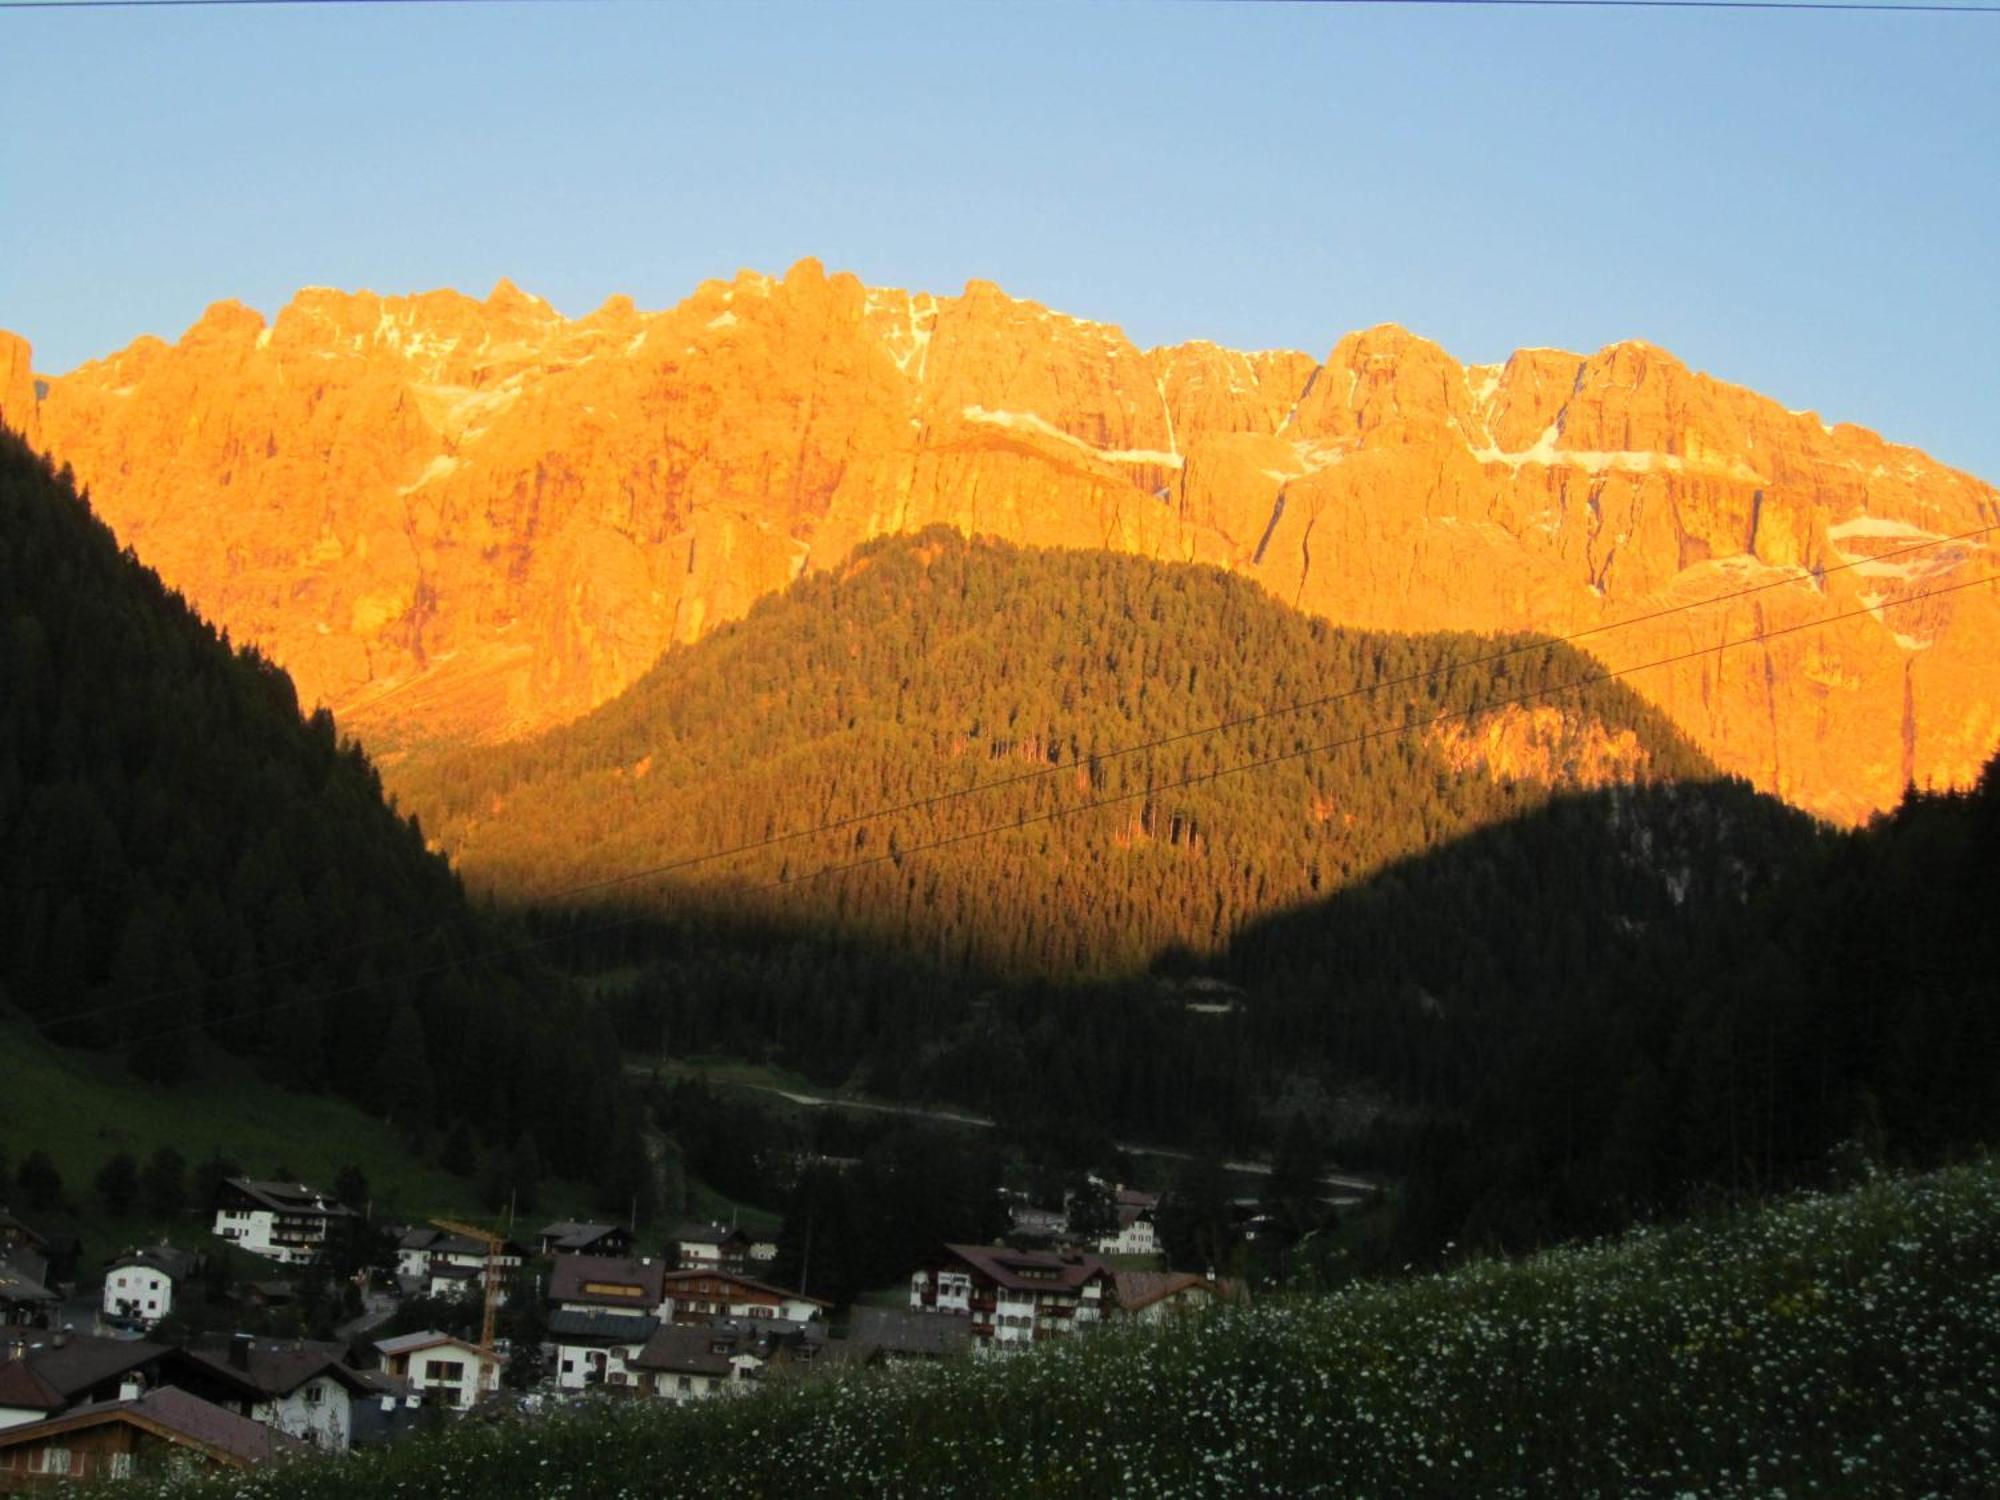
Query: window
[[313, 1393], [121, 1466], [683, 1384], [55, 1460]]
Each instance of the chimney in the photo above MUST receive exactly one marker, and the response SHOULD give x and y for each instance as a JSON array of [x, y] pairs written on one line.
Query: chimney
[[239, 1352], [131, 1388]]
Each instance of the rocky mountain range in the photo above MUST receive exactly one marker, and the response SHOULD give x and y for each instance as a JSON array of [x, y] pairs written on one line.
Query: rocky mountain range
[[458, 520]]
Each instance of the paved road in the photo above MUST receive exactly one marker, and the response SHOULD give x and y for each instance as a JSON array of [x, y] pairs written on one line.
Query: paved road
[[983, 1122]]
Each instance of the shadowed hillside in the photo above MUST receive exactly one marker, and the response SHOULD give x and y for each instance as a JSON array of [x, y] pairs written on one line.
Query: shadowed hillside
[[187, 863]]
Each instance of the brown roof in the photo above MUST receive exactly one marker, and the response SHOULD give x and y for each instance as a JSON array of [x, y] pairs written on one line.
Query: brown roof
[[694, 1350], [1029, 1270], [607, 1281], [174, 1415], [733, 1277], [21, 1387], [72, 1364]]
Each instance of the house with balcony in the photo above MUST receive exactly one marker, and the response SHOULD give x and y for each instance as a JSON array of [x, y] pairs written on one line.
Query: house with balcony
[[1015, 1298], [284, 1221]]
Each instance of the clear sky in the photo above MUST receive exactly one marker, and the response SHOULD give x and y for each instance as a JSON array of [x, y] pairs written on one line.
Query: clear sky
[[1805, 203]]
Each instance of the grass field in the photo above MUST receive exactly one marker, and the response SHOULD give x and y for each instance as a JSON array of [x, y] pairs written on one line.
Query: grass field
[[83, 1108], [1840, 1344]]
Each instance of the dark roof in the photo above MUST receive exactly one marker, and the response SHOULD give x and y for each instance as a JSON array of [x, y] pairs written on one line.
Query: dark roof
[[740, 1280], [1030, 1270], [693, 1350], [81, 1361], [177, 1264], [600, 1327], [441, 1242], [456, 1273], [21, 1387], [901, 1331], [570, 1235], [19, 1283], [707, 1234], [291, 1197], [274, 1367], [8, 1221], [175, 1415], [575, 1275]]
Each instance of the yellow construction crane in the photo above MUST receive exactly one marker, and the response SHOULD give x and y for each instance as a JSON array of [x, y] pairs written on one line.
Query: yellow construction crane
[[493, 1244]]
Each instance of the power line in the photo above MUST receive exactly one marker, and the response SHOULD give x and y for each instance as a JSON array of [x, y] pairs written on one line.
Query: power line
[[1875, 7], [1019, 778], [1096, 804], [1199, 778]]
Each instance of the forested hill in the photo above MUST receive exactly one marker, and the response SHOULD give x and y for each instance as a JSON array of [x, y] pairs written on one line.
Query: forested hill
[[1639, 996], [931, 664], [187, 862]]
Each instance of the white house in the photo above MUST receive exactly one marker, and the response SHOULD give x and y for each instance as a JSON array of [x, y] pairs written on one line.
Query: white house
[[303, 1390], [690, 1364], [422, 1252], [286, 1221], [598, 1348], [447, 1371], [139, 1285], [1014, 1297], [1135, 1234]]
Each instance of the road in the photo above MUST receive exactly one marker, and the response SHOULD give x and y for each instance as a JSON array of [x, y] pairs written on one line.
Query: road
[[982, 1122]]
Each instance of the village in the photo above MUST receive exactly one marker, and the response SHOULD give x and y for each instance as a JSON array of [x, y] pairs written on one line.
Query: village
[[95, 1382]]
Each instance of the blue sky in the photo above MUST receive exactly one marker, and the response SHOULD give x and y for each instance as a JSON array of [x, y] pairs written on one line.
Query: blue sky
[[1805, 203]]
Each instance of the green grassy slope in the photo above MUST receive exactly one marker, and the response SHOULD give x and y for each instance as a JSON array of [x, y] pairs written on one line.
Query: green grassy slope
[[1845, 1344], [84, 1107]]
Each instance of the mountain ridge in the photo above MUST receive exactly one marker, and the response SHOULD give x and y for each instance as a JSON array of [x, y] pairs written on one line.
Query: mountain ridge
[[464, 519]]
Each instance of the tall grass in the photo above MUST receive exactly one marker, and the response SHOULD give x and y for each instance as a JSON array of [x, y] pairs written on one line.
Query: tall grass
[[1842, 1344]]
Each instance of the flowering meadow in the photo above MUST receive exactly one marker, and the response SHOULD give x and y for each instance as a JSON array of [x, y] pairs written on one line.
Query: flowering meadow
[[1837, 1344]]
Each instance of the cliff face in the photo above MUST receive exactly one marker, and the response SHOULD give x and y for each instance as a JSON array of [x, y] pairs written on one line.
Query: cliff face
[[462, 519]]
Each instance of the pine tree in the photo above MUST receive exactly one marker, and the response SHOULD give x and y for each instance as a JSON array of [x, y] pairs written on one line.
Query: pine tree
[[163, 1184], [117, 1184]]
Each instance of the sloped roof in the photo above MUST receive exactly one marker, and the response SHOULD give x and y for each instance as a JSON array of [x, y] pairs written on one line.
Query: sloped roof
[[81, 1361], [175, 1415], [1030, 1270], [601, 1327], [575, 1276], [21, 1387], [570, 1235], [273, 1367], [291, 1197], [903, 1331], [707, 1234], [176, 1264], [17, 1284], [673, 1278], [410, 1343], [692, 1350]]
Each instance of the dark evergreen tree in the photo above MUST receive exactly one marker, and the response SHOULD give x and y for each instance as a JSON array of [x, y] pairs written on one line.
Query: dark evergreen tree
[[163, 1184], [117, 1184]]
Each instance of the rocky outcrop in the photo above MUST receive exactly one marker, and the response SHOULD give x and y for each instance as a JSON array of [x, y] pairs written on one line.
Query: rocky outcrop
[[458, 518]]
